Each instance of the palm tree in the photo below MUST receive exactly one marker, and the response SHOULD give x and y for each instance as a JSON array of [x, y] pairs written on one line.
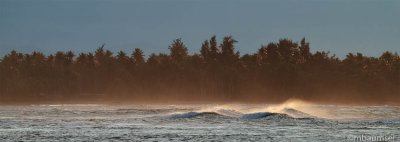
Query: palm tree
[[138, 57], [178, 51]]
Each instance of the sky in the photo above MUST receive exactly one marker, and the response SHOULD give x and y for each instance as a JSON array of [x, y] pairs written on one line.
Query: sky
[[339, 26]]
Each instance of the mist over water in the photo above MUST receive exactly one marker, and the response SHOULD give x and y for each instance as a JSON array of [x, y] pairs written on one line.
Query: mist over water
[[291, 120], [302, 109]]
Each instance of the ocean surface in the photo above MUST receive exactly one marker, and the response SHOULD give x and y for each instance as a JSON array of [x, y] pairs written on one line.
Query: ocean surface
[[289, 121]]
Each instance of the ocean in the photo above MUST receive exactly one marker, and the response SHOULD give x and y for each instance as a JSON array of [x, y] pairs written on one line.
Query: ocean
[[289, 121]]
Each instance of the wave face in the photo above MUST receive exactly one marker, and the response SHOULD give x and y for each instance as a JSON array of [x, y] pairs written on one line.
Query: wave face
[[259, 115], [256, 115], [190, 115]]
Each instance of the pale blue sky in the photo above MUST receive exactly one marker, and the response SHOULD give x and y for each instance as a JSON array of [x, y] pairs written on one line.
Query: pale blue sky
[[338, 26]]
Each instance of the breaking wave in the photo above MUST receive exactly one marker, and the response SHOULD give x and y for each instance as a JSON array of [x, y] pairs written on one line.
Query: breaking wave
[[296, 113], [260, 115], [296, 109], [235, 114]]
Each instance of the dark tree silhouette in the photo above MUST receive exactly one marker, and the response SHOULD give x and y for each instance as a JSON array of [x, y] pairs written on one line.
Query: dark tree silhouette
[[178, 50], [278, 71], [138, 57]]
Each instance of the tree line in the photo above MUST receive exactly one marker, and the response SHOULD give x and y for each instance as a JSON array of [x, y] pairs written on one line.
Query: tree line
[[277, 71]]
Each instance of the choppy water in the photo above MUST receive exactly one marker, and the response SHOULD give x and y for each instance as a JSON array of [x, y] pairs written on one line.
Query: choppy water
[[291, 121]]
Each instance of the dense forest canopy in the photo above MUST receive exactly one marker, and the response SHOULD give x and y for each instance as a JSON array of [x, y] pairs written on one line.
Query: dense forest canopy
[[217, 73]]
